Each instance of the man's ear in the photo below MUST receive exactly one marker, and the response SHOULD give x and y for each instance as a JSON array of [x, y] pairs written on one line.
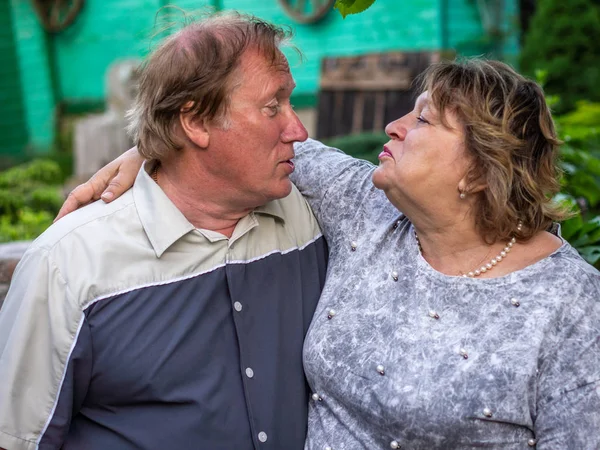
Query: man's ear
[[195, 128]]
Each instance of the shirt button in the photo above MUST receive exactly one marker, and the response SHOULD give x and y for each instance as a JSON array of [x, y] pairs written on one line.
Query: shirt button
[[237, 306], [532, 442], [250, 374], [262, 436]]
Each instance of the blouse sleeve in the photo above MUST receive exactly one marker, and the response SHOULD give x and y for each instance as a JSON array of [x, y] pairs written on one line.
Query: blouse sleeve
[[332, 182], [568, 400]]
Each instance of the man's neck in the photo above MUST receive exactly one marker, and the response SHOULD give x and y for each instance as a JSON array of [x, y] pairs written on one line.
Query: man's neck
[[205, 205]]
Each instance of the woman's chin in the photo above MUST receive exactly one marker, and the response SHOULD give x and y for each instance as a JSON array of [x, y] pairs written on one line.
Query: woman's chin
[[379, 178]]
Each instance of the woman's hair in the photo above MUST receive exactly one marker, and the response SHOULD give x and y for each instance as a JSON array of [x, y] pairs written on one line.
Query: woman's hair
[[194, 71], [510, 136]]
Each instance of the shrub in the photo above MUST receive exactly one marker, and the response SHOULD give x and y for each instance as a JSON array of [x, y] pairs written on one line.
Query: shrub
[[364, 145], [564, 40], [30, 197]]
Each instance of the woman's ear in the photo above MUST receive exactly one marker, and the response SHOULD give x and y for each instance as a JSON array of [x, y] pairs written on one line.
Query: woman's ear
[[194, 127], [471, 183]]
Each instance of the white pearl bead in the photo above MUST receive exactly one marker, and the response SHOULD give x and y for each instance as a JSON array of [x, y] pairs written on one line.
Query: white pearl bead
[[394, 444], [500, 256], [503, 253], [494, 261], [477, 272], [316, 397], [507, 249], [483, 269], [487, 412], [471, 274], [488, 266], [513, 240], [381, 369], [510, 245]]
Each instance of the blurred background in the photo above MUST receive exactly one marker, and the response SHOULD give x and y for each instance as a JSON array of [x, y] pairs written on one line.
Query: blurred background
[[68, 75]]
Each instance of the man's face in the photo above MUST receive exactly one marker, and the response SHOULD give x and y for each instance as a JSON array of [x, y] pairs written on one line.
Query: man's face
[[251, 157]]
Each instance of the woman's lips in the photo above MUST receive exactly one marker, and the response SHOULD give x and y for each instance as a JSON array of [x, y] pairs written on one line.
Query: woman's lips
[[385, 153]]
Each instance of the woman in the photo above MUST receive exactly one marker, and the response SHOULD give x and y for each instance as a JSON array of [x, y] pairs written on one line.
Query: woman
[[451, 317]]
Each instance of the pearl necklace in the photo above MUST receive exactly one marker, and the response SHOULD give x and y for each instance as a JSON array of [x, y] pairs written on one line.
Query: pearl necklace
[[493, 262]]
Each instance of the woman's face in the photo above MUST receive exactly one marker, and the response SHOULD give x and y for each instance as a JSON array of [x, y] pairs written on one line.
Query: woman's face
[[425, 162]]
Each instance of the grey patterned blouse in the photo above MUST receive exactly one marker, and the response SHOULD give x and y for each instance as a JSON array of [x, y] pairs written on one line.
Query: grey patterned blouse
[[399, 355]]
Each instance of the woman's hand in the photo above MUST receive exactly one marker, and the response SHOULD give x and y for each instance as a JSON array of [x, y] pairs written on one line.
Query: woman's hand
[[108, 183]]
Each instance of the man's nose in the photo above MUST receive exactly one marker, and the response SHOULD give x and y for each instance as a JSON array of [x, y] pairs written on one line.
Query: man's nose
[[294, 130]]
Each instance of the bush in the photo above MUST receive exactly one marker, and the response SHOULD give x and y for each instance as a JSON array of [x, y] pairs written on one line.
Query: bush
[[30, 197], [364, 145], [564, 40]]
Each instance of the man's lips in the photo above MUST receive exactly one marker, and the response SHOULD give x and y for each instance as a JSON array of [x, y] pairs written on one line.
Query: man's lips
[[289, 163], [385, 153]]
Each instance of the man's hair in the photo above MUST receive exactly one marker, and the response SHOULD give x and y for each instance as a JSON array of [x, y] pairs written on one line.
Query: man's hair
[[510, 135], [194, 71]]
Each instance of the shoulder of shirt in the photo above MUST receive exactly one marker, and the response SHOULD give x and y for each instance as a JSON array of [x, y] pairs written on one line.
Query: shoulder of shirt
[[84, 222], [297, 215]]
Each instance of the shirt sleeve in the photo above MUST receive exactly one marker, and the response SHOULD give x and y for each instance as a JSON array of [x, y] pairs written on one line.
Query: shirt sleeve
[[568, 407], [40, 325], [332, 182]]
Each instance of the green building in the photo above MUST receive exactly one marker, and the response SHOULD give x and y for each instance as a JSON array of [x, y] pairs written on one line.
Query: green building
[[48, 74]]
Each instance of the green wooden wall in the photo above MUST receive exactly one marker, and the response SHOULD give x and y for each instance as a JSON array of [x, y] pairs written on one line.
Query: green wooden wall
[[112, 29], [13, 128], [36, 82]]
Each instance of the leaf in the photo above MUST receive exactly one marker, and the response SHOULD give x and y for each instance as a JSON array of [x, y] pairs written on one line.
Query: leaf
[[570, 228], [346, 7], [591, 254]]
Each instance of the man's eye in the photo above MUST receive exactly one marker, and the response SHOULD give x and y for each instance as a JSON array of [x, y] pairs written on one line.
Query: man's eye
[[274, 109]]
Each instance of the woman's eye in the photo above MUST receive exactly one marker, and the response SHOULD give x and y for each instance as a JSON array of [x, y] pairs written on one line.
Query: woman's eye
[[420, 119]]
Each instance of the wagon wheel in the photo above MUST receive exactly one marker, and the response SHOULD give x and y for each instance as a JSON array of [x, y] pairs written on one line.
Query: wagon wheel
[[56, 15], [307, 11]]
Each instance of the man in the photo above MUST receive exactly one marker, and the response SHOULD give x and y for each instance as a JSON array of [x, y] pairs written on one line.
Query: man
[[173, 317]]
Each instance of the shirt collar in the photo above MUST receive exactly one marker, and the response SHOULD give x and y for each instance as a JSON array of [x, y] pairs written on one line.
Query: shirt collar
[[272, 208], [162, 221]]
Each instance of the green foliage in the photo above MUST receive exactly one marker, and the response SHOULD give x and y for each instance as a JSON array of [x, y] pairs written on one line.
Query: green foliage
[[580, 160], [364, 145], [27, 225], [346, 7], [564, 40], [30, 197]]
